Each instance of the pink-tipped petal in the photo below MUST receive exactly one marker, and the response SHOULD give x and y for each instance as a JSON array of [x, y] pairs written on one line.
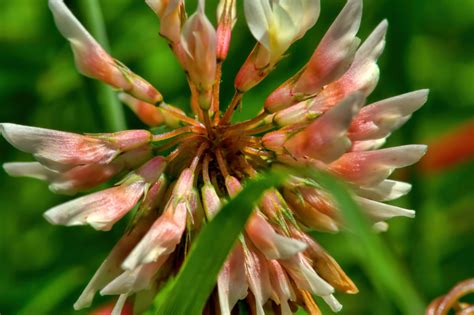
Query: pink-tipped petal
[[258, 278], [101, 209], [331, 59], [169, 12], [335, 52], [362, 76], [231, 282], [199, 42], [53, 147], [282, 287], [160, 240], [371, 167], [93, 61], [326, 138], [378, 120], [111, 267], [271, 244]]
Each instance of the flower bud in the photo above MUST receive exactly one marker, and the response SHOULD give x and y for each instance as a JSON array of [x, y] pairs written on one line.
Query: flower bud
[[227, 16], [93, 61], [276, 26], [199, 42], [171, 14]]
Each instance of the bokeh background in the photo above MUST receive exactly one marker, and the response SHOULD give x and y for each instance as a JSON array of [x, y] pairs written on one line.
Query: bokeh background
[[430, 44]]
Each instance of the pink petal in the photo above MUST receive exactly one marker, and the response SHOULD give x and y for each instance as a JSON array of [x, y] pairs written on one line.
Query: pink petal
[[258, 278], [378, 120], [53, 147], [101, 209], [93, 61], [362, 76], [282, 287], [111, 267], [331, 59], [161, 239], [326, 138], [231, 282], [369, 168], [271, 244]]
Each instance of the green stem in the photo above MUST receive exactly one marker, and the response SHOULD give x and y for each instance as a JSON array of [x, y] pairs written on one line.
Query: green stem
[[111, 108]]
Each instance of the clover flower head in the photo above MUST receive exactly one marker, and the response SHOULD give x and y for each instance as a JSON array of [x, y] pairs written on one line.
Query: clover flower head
[[180, 179]]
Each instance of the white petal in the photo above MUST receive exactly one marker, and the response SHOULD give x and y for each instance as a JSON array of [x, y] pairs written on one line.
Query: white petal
[[380, 211], [333, 303], [29, 169], [68, 24], [119, 304], [305, 277], [259, 17], [385, 191]]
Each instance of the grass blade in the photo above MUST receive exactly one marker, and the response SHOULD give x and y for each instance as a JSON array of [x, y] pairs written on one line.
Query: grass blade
[[188, 292]]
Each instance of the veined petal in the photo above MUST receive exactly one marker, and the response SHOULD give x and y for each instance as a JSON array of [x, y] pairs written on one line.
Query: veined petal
[[378, 120], [258, 278], [93, 61], [282, 287], [101, 209], [52, 147], [271, 244], [369, 168], [161, 239], [326, 138], [231, 282]]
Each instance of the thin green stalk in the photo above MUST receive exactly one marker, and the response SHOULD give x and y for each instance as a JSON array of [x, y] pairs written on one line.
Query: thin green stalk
[[111, 108]]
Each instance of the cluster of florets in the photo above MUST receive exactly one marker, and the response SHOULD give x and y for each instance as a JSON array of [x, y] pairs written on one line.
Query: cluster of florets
[[179, 179]]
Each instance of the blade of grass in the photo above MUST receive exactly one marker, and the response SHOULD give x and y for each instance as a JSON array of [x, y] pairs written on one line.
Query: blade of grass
[[111, 108], [375, 257], [189, 291]]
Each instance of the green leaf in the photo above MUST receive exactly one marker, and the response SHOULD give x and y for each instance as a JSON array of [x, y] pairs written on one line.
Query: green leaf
[[188, 292]]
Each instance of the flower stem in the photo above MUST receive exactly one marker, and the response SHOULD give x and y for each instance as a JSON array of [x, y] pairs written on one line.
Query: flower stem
[[111, 108]]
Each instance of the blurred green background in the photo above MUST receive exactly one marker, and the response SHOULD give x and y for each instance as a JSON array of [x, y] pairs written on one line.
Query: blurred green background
[[430, 44]]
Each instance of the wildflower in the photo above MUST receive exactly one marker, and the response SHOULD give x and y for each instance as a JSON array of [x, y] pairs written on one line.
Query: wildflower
[[318, 118]]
